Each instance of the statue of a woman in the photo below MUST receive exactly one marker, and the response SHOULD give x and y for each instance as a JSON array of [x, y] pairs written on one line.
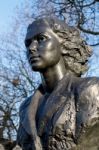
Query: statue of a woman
[[63, 113]]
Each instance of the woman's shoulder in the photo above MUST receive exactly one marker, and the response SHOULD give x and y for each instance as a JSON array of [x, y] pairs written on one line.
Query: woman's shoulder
[[87, 100], [87, 90], [80, 83], [89, 86], [24, 106], [30, 100]]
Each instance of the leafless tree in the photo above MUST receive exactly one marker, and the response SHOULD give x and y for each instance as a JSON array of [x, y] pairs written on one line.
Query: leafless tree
[[17, 81]]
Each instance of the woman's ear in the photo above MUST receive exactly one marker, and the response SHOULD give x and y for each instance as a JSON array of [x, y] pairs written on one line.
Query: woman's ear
[[63, 49]]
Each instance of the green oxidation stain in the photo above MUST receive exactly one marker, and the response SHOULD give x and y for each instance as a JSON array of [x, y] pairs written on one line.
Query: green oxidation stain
[[89, 140]]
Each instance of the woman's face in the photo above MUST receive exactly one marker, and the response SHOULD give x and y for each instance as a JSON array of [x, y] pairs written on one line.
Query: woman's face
[[43, 46]]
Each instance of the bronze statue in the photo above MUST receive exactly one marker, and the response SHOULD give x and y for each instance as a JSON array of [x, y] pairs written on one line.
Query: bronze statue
[[63, 113]]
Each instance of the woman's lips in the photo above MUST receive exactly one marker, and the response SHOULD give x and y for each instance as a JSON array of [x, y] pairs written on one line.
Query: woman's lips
[[33, 58]]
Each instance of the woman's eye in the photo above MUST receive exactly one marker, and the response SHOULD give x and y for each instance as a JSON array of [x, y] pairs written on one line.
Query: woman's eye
[[41, 38]]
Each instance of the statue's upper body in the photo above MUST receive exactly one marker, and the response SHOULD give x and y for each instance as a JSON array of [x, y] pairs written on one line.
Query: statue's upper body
[[63, 113]]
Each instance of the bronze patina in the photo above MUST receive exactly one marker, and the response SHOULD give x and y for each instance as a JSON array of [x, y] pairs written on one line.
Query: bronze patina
[[63, 113]]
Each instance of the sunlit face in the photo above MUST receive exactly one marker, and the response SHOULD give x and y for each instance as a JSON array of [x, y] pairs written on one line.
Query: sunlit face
[[43, 47]]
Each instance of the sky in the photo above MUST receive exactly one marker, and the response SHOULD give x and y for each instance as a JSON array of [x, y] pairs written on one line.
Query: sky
[[7, 10]]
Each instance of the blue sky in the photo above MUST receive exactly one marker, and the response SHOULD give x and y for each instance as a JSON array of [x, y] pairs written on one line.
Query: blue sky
[[7, 11]]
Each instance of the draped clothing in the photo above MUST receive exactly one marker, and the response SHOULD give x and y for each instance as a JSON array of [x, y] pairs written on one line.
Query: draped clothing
[[66, 119]]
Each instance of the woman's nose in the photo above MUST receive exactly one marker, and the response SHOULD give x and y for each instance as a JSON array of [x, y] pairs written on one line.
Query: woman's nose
[[33, 46]]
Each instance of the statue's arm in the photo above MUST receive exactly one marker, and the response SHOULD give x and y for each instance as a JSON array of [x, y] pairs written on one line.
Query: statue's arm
[[27, 135], [23, 138], [89, 100], [87, 104], [26, 142], [87, 129]]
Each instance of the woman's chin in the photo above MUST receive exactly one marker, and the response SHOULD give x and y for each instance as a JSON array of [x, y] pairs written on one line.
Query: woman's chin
[[37, 68]]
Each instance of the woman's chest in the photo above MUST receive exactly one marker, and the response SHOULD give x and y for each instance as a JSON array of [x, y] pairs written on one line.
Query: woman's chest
[[65, 112], [57, 114]]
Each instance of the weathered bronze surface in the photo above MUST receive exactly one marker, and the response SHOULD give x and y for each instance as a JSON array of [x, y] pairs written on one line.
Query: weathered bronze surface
[[63, 113]]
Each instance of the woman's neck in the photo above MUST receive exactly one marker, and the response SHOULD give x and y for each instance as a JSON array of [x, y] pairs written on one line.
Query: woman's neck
[[52, 75]]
